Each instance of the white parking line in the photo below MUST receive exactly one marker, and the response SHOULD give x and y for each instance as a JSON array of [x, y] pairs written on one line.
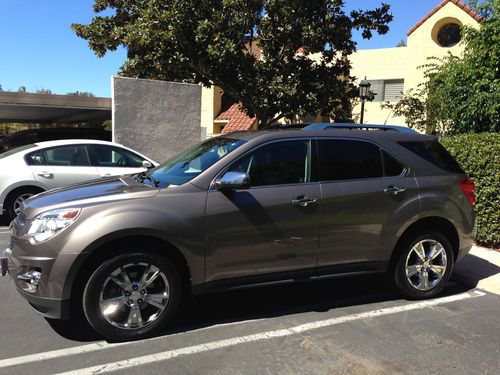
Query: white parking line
[[162, 356]]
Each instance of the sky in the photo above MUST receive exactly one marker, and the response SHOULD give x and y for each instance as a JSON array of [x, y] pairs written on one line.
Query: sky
[[39, 50]]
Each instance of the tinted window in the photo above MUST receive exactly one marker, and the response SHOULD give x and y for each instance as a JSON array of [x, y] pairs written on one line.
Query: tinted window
[[192, 162], [434, 152], [277, 164], [392, 167], [106, 156], [345, 159], [61, 156]]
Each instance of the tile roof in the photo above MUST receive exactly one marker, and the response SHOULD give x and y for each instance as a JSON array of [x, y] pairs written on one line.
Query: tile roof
[[471, 12], [237, 119]]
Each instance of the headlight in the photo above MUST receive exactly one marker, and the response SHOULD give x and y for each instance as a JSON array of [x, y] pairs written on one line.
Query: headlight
[[48, 224]]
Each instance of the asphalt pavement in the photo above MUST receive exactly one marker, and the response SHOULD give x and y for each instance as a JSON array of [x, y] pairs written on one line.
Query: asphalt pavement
[[342, 326]]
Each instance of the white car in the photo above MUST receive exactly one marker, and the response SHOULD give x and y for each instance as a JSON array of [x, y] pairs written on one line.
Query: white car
[[32, 169]]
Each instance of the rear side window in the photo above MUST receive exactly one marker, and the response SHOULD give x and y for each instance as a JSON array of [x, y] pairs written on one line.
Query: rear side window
[[75, 156], [435, 153], [392, 167], [346, 160]]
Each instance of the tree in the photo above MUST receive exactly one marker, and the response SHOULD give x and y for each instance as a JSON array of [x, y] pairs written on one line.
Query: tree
[[461, 94], [402, 43], [219, 42], [22, 89]]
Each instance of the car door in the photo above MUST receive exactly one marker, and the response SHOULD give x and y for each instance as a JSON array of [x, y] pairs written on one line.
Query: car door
[[115, 161], [365, 190], [62, 165], [273, 225]]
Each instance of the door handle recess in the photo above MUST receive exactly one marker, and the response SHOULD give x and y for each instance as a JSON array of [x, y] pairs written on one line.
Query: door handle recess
[[394, 190], [46, 175], [303, 201]]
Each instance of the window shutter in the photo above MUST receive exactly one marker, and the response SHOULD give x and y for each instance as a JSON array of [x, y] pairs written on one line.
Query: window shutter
[[393, 90], [377, 87]]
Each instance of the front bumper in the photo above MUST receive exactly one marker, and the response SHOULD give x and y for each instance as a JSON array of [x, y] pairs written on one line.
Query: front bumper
[[53, 308]]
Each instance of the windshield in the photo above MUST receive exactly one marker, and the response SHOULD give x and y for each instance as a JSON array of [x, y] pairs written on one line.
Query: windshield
[[192, 162]]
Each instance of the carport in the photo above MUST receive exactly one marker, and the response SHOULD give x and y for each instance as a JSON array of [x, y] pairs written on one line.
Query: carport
[[52, 109]]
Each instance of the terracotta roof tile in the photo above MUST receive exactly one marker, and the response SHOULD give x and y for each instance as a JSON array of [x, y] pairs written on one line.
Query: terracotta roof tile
[[458, 3], [237, 119]]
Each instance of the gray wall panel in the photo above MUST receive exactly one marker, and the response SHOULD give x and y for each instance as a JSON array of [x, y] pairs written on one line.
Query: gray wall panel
[[156, 118]]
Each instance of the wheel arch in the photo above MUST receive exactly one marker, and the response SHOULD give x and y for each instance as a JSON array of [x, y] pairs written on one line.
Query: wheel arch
[[439, 224], [104, 249]]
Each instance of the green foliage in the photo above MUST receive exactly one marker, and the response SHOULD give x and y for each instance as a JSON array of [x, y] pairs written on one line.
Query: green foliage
[[479, 155], [220, 42], [81, 93]]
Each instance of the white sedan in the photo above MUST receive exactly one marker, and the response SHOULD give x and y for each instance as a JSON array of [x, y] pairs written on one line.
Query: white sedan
[[31, 169]]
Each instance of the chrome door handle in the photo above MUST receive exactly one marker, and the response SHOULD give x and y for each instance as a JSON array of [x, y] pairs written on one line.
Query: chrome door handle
[[394, 190], [46, 175], [303, 201]]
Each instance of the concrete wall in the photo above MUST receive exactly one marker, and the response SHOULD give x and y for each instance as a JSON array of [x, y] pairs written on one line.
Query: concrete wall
[[157, 118]]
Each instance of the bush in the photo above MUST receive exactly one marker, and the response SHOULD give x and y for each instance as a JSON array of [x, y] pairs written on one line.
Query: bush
[[479, 155]]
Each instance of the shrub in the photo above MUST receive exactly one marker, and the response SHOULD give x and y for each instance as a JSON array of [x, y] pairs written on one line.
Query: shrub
[[479, 155]]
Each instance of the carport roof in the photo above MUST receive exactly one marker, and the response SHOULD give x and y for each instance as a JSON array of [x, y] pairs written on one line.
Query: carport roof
[[49, 108]]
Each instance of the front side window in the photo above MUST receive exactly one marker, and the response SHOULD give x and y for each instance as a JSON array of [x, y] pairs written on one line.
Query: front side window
[[192, 162], [277, 163], [348, 159], [106, 156], [75, 156]]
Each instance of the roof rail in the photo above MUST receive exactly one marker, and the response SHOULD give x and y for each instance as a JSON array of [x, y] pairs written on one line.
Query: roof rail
[[327, 125]]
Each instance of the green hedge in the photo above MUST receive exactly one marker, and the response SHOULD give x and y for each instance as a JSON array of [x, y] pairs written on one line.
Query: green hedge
[[479, 155]]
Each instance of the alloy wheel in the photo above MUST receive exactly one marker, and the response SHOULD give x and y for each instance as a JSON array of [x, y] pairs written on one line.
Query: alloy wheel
[[426, 264]]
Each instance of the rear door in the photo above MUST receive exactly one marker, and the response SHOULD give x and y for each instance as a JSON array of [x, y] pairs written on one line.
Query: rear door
[[115, 161], [366, 194], [60, 166]]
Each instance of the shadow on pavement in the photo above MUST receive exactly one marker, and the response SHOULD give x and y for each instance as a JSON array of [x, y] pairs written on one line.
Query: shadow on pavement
[[473, 269], [266, 302]]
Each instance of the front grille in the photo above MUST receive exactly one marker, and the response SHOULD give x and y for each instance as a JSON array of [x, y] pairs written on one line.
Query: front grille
[[13, 241]]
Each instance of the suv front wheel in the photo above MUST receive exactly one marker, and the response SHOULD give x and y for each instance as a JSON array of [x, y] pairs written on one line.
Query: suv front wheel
[[132, 296], [424, 265]]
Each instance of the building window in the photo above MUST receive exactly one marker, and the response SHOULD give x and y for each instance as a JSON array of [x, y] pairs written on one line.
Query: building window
[[448, 35], [389, 90]]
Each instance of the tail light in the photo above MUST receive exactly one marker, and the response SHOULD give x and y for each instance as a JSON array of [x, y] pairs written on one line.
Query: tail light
[[468, 187]]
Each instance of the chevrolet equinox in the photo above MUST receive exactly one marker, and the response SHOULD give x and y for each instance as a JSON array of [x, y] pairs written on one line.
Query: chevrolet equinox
[[243, 209]]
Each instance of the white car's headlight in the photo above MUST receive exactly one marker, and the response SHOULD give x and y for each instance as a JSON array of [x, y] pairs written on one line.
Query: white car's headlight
[[48, 224]]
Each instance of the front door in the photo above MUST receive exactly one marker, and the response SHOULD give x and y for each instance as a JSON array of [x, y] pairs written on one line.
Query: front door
[[271, 227], [114, 161]]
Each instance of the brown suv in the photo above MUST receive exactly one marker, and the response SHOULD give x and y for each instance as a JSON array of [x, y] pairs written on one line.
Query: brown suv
[[244, 209]]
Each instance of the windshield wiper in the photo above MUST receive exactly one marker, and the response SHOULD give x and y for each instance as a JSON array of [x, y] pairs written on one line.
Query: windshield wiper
[[144, 176]]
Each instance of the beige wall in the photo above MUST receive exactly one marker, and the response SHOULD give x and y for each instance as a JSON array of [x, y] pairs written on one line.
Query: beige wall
[[404, 62], [210, 108]]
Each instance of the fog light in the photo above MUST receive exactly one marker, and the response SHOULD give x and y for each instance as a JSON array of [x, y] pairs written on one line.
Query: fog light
[[29, 281]]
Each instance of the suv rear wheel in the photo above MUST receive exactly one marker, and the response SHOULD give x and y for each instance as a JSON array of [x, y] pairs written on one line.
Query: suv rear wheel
[[424, 265], [132, 296]]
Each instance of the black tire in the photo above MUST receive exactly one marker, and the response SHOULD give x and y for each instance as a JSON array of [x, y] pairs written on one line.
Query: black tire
[[10, 201], [92, 294], [406, 285]]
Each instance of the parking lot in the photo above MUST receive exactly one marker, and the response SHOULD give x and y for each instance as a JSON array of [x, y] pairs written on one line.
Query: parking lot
[[342, 326]]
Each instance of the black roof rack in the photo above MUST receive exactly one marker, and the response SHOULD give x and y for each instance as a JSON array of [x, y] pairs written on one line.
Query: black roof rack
[[328, 126]]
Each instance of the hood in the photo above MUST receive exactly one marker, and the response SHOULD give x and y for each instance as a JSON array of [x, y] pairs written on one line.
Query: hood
[[89, 193]]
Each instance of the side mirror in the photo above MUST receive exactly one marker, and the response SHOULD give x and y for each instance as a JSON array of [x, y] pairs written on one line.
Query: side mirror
[[233, 180], [146, 164]]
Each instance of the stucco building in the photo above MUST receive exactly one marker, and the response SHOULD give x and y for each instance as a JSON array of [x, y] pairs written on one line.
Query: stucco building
[[391, 71]]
